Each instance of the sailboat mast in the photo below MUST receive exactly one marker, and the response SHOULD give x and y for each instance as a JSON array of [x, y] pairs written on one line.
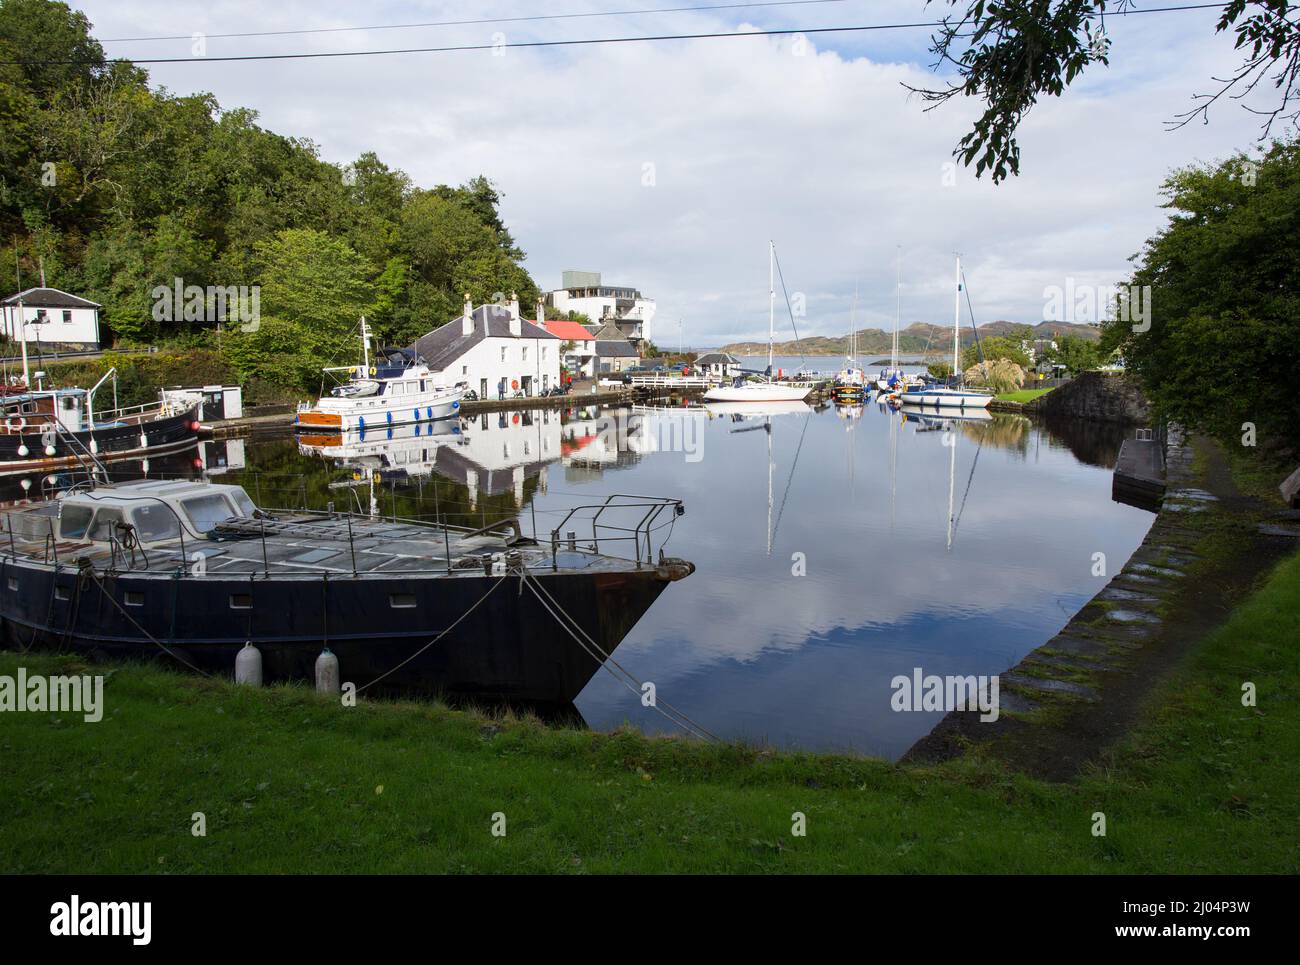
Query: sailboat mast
[[956, 322], [771, 302], [898, 304], [365, 344]]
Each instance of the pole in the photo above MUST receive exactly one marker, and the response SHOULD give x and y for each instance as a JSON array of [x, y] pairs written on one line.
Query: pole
[[771, 302], [956, 323]]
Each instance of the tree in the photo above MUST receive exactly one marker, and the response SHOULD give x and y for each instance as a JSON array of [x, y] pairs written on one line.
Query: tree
[[1010, 53], [1076, 353], [315, 281], [992, 348], [1220, 347]]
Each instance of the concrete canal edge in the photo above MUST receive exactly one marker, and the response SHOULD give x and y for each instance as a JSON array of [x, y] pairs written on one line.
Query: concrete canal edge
[[1073, 697]]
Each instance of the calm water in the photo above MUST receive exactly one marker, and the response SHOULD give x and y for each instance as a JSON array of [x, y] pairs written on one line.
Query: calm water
[[859, 497]]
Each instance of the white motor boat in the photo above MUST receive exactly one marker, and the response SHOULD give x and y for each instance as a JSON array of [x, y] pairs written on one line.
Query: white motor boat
[[397, 388]]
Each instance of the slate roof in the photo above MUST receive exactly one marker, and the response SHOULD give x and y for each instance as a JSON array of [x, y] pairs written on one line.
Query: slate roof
[[615, 348], [49, 298], [717, 358], [445, 344]]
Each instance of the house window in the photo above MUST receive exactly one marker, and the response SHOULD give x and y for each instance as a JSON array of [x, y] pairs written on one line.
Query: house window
[[41, 317], [503, 353], [67, 315], [524, 351], [464, 370], [543, 353]]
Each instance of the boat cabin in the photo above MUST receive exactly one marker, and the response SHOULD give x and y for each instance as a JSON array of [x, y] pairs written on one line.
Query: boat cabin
[[30, 411], [154, 510]]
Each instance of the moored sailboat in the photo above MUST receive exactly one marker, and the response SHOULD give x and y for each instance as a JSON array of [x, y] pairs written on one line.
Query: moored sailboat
[[767, 389], [953, 394]]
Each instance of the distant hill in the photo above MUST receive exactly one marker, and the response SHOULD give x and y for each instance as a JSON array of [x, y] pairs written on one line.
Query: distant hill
[[916, 338]]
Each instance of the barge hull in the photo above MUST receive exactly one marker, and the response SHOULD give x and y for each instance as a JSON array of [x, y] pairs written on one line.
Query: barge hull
[[507, 649]]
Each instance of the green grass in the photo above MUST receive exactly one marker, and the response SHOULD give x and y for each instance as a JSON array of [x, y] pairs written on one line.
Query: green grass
[[1022, 395], [293, 783]]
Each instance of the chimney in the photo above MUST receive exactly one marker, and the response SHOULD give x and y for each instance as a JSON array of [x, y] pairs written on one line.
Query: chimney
[[516, 326], [541, 313], [467, 321]]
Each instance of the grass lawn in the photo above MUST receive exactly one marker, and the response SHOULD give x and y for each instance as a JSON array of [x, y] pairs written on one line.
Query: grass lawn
[[289, 782], [1022, 395]]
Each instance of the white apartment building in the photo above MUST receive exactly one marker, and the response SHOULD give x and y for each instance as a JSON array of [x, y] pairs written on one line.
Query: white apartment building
[[625, 308]]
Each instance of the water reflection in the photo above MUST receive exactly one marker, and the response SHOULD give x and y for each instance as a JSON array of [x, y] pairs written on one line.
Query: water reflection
[[835, 547]]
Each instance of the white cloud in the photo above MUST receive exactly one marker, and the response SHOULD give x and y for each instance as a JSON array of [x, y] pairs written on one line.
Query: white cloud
[[825, 153]]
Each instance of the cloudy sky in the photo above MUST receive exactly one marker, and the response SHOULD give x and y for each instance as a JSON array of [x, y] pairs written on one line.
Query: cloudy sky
[[669, 165]]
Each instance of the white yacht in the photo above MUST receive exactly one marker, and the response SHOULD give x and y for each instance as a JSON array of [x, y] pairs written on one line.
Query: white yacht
[[768, 390], [952, 396], [395, 388]]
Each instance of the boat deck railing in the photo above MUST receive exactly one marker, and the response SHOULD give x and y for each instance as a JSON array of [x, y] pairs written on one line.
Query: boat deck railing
[[621, 527], [619, 519]]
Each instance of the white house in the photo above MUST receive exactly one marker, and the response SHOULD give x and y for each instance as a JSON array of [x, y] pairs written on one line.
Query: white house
[[49, 317], [495, 351], [581, 291], [720, 365], [614, 353], [578, 347]]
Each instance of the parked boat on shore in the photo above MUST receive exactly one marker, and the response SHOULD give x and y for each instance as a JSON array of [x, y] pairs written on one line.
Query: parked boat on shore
[[191, 571]]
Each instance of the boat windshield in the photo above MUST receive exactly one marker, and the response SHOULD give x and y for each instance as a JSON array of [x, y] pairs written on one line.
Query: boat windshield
[[155, 521], [73, 521], [242, 500], [105, 519], [207, 510]]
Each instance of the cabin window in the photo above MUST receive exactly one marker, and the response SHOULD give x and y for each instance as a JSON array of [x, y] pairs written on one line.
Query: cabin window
[[401, 601], [62, 593], [206, 511], [398, 388], [69, 403], [74, 520], [155, 521], [105, 520], [29, 407], [133, 598], [242, 500], [241, 601], [13, 583]]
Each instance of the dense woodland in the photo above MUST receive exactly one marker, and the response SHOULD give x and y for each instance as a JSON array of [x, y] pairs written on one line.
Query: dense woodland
[[115, 188]]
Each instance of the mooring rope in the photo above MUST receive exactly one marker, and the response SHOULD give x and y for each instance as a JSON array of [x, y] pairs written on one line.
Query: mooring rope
[[95, 578], [491, 590], [606, 660]]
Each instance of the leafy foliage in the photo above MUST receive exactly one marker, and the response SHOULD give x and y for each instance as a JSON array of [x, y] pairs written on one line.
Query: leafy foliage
[[1012, 52], [992, 348], [1224, 332], [115, 188]]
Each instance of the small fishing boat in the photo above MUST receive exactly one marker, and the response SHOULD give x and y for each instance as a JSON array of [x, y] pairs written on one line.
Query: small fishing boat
[[765, 388], [953, 394], [397, 388], [50, 429], [188, 572]]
